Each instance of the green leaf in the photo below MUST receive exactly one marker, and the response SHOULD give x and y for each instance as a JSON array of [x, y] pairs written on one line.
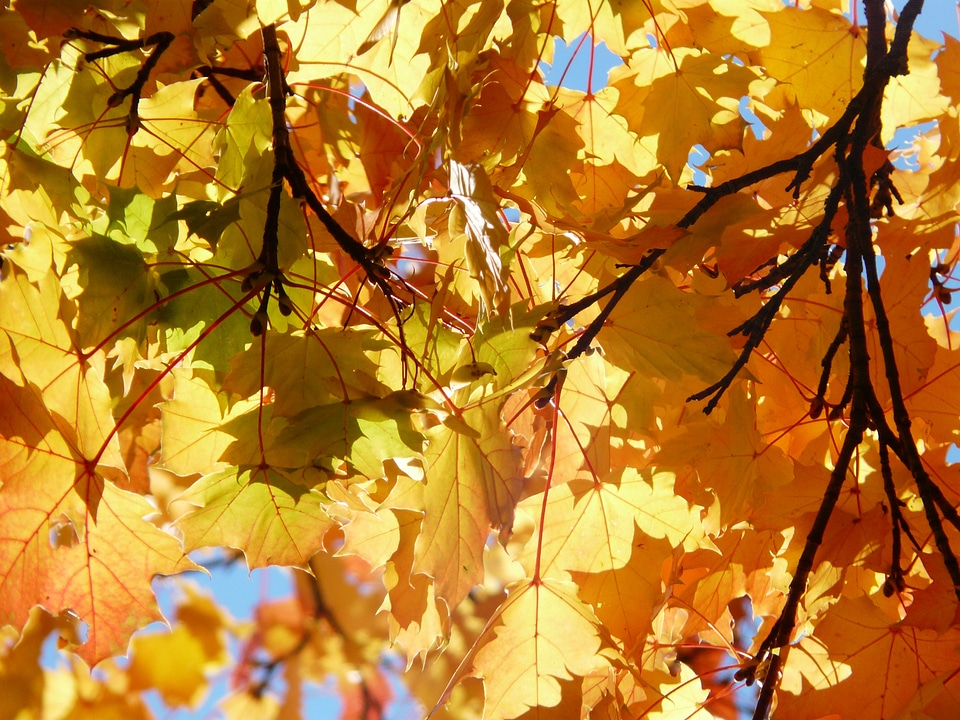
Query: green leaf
[[257, 510], [207, 219], [117, 289]]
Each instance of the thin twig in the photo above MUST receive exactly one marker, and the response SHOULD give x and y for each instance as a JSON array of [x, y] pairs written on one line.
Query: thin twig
[[158, 41]]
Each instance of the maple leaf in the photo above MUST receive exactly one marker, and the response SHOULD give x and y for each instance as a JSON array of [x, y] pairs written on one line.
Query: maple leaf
[[509, 102], [116, 288], [416, 618], [626, 599], [912, 669], [657, 333], [681, 107], [540, 636], [486, 236], [595, 522], [348, 287], [51, 18], [470, 486], [738, 466], [61, 427], [745, 565], [272, 519], [191, 427], [473, 476], [76, 526], [828, 45]]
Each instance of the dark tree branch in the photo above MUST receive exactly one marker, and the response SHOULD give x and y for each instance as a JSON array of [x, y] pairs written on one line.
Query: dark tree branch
[[878, 73], [894, 582], [865, 412], [890, 438], [756, 327], [927, 489], [293, 173], [158, 41], [213, 74], [218, 88], [769, 654], [266, 272], [819, 400]]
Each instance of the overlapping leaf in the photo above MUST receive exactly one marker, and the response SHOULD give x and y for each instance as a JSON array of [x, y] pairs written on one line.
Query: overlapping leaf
[[380, 432], [541, 636]]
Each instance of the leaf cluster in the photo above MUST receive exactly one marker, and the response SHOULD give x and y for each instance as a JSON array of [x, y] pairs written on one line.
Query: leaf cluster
[[526, 399]]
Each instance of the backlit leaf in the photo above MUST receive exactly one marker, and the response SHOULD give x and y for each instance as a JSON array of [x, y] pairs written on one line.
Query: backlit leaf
[[272, 519], [542, 635], [586, 359]]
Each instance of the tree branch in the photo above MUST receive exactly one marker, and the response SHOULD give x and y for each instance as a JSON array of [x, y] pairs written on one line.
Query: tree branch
[[876, 76], [865, 410], [159, 41], [266, 271]]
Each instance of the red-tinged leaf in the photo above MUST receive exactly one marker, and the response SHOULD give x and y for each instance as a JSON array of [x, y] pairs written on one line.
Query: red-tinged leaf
[[367, 699], [51, 18], [935, 606], [71, 540]]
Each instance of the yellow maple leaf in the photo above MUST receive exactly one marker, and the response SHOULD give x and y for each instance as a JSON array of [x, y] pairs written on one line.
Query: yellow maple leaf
[[693, 102], [541, 635], [815, 51], [874, 667]]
